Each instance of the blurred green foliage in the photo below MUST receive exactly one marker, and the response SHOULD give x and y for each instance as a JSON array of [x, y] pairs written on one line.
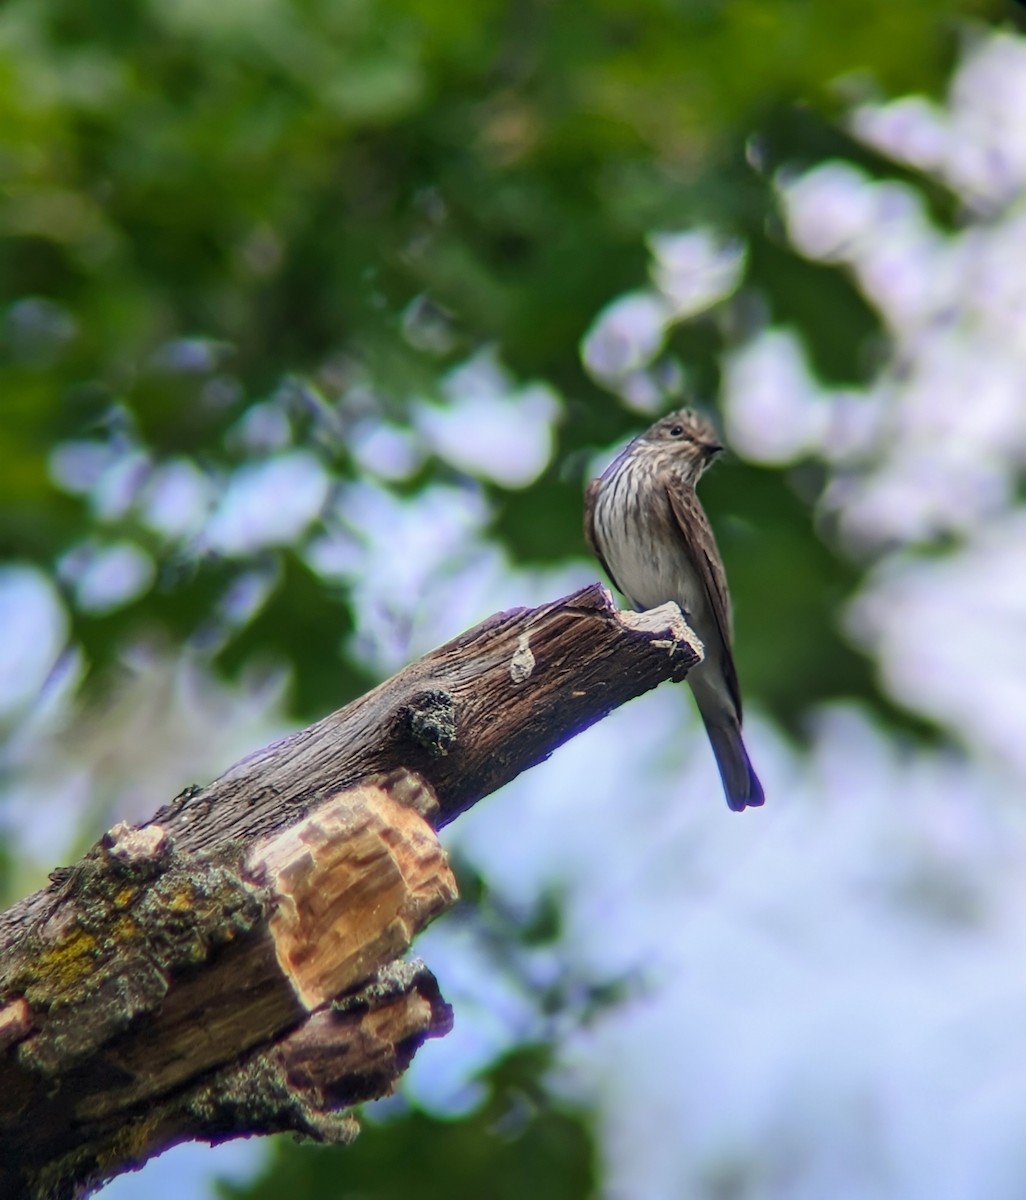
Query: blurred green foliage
[[516, 1142], [201, 202], [207, 207]]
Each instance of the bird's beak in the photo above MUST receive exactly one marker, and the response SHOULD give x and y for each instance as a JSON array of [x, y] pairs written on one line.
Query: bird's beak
[[711, 449]]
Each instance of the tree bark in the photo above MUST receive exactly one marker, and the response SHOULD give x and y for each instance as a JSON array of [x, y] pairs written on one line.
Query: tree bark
[[234, 965]]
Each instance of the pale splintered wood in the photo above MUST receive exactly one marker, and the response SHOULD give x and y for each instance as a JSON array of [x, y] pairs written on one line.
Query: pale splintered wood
[[352, 884]]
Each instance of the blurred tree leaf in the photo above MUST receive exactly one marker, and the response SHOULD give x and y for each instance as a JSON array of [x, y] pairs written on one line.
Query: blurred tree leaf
[[516, 1142], [542, 523], [836, 322], [302, 625], [788, 586]]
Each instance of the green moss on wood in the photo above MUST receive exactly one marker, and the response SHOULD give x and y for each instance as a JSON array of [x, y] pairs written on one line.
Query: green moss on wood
[[128, 924]]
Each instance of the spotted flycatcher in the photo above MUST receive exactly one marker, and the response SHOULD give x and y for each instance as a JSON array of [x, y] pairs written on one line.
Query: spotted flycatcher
[[644, 522]]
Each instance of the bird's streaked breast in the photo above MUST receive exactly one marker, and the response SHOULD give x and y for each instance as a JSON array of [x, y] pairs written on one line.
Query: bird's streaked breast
[[632, 524]]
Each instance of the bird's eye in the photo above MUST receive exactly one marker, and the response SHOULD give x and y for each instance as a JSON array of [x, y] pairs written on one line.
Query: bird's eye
[[676, 430]]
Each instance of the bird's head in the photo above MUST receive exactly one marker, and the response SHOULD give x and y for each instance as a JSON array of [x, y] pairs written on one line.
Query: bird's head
[[683, 440]]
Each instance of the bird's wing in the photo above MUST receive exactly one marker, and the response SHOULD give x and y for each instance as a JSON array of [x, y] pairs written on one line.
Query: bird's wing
[[590, 501], [697, 541]]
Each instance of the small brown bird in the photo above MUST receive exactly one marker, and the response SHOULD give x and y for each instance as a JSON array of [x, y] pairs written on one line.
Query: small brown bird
[[644, 523]]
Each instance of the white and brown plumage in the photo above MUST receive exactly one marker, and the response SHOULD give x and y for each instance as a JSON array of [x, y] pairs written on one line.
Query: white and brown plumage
[[645, 524]]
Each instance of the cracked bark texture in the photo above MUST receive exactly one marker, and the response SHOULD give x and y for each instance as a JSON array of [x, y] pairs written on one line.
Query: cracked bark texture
[[235, 965]]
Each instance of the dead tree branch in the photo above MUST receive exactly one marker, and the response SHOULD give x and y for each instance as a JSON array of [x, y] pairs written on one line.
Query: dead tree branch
[[235, 965]]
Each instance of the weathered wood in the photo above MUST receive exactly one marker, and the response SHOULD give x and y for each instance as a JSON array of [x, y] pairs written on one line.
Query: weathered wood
[[232, 965], [170, 996]]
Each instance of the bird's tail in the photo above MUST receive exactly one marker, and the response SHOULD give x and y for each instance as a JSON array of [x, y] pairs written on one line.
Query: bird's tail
[[740, 782]]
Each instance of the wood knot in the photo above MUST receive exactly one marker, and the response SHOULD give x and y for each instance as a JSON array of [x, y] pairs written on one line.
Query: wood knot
[[431, 721]]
